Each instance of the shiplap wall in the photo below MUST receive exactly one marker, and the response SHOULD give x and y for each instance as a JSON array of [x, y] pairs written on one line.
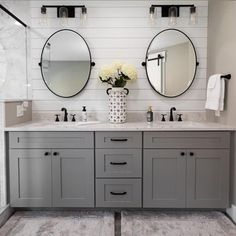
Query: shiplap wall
[[118, 30]]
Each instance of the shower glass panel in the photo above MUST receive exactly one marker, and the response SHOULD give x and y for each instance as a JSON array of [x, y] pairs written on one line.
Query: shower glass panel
[[13, 79]]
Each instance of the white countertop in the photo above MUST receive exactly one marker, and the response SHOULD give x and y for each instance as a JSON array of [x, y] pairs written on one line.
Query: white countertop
[[129, 126]]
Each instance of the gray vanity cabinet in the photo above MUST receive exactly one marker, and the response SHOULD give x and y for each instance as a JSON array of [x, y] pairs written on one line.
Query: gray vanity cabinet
[[186, 169], [30, 178], [73, 178], [51, 169], [164, 174], [207, 178]]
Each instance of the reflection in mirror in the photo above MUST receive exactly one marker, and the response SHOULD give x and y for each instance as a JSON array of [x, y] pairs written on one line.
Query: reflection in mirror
[[171, 63], [66, 63]]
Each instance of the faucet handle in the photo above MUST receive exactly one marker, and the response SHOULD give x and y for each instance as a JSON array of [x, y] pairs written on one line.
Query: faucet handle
[[57, 118], [73, 117], [163, 117], [180, 117]]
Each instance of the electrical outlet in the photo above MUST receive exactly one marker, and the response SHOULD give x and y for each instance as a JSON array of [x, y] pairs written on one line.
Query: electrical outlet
[[19, 111]]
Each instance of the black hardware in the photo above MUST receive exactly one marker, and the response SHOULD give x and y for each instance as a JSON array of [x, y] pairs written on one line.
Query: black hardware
[[69, 8], [57, 118], [144, 63], [55, 153], [118, 163], [65, 114], [163, 117], [46, 153], [93, 63], [180, 117], [191, 154], [123, 193], [73, 117], [119, 140], [182, 154], [13, 16], [171, 113], [165, 9], [40, 64], [228, 77], [197, 63]]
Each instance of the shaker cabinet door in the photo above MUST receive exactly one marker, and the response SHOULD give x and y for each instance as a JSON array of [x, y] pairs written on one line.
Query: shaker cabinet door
[[208, 178], [73, 177], [164, 178], [30, 178]]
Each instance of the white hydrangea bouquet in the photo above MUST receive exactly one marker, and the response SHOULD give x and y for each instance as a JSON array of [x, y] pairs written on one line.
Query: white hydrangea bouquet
[[118, 74]]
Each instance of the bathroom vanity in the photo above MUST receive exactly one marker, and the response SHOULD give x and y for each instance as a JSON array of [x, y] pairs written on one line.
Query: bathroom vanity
[[119, 166]]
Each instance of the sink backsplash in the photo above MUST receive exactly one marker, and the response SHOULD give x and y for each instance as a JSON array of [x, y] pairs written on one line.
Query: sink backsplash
[[131, 116]]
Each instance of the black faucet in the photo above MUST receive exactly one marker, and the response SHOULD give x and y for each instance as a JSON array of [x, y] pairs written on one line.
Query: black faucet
[[66, 114], [171, 113]]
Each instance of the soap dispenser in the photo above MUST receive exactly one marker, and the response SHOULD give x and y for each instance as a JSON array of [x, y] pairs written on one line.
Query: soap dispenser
[[84, 114], [149, 115]]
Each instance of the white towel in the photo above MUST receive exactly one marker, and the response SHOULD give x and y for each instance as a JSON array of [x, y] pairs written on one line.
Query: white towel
[[215, 94]]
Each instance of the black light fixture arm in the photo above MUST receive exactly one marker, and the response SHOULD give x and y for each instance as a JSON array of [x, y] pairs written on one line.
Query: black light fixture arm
[[165, 8], [70, 9], [13, 16], [56, 6]]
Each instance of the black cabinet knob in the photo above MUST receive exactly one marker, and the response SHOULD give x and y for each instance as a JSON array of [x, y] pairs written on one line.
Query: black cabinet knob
[[182, 154], [46, 153], [55, 154], [191, 154]]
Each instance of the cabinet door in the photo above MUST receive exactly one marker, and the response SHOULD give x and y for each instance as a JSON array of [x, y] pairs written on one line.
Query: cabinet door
[[208, 178], [73, 177], [30, 178], [164, 178]]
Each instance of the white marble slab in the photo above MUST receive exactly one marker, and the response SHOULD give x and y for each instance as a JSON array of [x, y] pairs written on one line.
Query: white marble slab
[[129, 126]]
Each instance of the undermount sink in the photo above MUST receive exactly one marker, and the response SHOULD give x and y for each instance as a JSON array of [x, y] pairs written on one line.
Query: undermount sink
[[173, 124]]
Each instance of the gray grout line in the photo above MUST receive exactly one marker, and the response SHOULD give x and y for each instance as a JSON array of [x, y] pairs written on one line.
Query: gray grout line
[[117, 224]]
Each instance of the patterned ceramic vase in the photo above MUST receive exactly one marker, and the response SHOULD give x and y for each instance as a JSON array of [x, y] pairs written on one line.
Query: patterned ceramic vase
[[117, 104]]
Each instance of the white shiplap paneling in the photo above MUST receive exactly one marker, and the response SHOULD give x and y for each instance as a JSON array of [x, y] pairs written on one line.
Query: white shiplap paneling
[[118, 30]]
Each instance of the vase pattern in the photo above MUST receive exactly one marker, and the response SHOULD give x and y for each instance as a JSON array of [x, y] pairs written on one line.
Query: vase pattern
[[117, 105]]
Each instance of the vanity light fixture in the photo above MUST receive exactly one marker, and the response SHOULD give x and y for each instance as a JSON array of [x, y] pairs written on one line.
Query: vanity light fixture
[[173, 12], [65, 11], [193, 15]]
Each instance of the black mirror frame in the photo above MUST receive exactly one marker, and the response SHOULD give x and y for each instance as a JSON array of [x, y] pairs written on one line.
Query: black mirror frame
[[197, 63], [91, 63]]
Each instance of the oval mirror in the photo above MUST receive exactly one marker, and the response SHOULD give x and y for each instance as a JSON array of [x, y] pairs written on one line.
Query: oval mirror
[[171, 63], [65, 63]]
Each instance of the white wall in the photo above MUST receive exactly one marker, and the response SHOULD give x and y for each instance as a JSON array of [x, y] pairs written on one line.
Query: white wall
[[118, 30], [222, 51]]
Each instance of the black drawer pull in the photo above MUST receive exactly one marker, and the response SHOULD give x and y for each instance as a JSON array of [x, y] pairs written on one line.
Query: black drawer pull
[[182, 154], [118, 163], [55, 153], [119, 140], [46, 153], [118, 194], [191, 154]]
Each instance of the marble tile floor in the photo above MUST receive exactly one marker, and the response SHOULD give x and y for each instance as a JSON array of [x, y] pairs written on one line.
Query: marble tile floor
[[128, 223]]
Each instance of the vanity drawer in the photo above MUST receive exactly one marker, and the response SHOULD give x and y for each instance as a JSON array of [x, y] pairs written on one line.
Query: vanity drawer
[[186, 139], [51, 140], [118, 193], [121, 163], [118, 140]]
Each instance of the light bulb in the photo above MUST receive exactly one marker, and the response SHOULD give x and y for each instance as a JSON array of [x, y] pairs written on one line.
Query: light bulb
[[193, 16], [173, 13]]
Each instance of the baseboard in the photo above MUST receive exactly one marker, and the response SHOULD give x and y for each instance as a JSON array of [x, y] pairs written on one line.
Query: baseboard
[[232, 213], [5, 214]]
